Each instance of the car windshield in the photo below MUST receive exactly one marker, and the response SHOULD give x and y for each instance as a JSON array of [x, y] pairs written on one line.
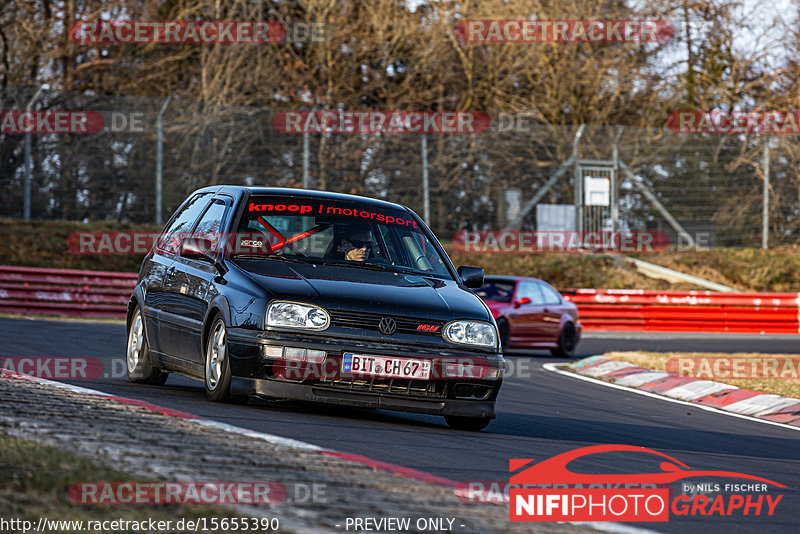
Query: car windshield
[[496, 291], [336, 233]]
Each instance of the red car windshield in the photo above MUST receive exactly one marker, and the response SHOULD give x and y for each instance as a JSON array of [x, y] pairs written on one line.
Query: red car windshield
[[328, 232]]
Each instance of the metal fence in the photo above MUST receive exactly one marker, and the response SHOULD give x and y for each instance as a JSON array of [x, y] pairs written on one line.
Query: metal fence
[[705, 185]]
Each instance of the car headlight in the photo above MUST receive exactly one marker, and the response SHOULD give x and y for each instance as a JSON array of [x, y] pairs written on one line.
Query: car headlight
[[294, 315], [471, 333]]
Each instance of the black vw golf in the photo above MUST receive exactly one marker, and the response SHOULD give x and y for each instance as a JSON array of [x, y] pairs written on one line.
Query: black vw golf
[[314, 296]]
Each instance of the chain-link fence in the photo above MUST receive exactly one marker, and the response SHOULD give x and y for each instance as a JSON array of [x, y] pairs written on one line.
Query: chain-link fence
[[701, 184]]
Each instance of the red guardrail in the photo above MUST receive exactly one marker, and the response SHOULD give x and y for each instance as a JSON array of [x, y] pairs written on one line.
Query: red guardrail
[[64, 292], [37, 291], [687, 311]]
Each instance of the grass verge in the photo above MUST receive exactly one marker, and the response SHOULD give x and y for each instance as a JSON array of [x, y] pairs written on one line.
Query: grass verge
[[35, 479], [786, 387]]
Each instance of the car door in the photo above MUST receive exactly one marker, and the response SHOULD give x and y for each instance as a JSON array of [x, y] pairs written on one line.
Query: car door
[[159, 267], [193, 277], [528, 317], [552, 312]]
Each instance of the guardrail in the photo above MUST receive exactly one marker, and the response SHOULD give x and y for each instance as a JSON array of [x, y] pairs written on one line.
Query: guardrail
[[686, 311], [37, 291], [64, 292]]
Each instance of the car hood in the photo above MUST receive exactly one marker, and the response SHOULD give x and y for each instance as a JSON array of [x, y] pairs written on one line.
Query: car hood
[[365, 290]]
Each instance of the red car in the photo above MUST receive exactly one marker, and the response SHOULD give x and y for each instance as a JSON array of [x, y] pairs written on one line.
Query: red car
[[554, 470], [531, 314]]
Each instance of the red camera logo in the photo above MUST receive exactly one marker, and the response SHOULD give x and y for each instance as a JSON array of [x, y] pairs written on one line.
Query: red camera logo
[[576, 497]]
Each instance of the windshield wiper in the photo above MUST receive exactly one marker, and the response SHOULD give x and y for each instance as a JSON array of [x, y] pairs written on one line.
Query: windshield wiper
[[336, 263], [271, 257], [368, 265], [252, 256]]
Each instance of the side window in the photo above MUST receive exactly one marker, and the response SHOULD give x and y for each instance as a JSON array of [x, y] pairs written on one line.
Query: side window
[[171, 237], [211, 222], [530, 290], [551, 296]]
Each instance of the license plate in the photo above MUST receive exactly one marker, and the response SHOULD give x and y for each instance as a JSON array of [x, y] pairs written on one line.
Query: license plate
[[386, 366]]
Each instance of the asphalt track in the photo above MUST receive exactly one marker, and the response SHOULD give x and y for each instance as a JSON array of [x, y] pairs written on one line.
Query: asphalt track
[[540, 414]]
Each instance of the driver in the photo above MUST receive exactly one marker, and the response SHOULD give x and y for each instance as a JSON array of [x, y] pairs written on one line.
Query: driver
[[355, 244]]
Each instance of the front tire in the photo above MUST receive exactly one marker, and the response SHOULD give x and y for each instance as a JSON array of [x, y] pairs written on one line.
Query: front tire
[[566, 342], [137, 359], [472, 424], [217, 365]]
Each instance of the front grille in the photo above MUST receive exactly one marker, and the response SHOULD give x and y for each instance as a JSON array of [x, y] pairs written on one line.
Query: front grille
[[417, 388], [369, 321]]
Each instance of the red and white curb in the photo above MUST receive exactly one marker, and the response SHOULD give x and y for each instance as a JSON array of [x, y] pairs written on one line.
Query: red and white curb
[[706, 394]]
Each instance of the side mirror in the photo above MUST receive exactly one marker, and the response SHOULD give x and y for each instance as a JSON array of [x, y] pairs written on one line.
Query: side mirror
[[471, 276], [521, 302], [197, 248]]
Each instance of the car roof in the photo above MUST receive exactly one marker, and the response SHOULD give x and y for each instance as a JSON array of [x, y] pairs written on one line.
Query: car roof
[[328, 195]]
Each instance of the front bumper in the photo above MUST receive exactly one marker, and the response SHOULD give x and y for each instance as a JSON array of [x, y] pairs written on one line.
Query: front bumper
[[303, 392], [468, 396]]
